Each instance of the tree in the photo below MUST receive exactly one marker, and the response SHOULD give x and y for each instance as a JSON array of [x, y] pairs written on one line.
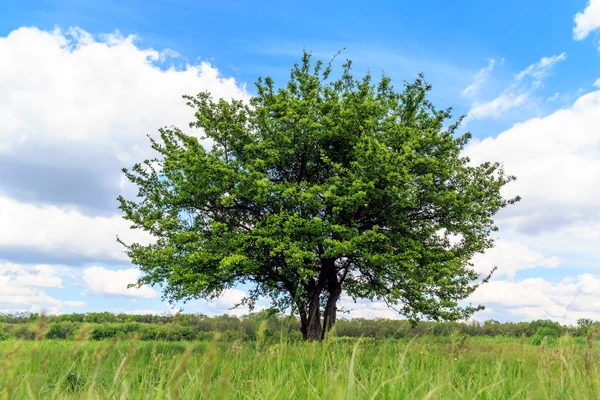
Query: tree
[[315, 189]]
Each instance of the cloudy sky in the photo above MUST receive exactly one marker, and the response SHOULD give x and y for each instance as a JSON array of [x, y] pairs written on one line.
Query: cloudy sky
[[82, 83]]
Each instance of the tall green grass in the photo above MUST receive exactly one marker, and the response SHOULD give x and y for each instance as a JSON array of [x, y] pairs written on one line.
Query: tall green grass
[[339, 368]]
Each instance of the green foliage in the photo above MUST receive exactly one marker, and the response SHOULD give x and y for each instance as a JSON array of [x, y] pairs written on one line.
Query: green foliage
[[61, 330], [546, 328], [25, 332], [105, 331], [315, 188], [99, 318], [75, 317], [188, 327]]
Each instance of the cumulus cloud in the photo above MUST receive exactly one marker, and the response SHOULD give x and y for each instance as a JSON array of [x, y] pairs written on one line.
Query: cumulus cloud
[[73, 120], [21, 289], [498, 106], [229, 298], [586, 232], [39, 276], [565, 301], [225, 303], [587, 20], [556, 161], [36, 276], [518, 93], [70, 123], [48, 233], [510, 257], [102, 281], [365, 309], [479, 79]]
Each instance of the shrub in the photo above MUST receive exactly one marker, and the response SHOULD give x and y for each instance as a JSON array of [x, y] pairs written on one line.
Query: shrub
[[61, 330], [546, 328], [100, 332], [24, 332]]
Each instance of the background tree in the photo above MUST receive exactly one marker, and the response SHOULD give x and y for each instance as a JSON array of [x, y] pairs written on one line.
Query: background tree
[[319, 188]]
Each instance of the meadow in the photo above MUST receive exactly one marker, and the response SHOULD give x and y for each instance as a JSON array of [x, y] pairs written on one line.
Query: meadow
[[273, 364], [336, 369]]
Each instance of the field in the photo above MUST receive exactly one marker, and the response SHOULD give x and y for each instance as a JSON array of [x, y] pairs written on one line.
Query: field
[[339, 368]]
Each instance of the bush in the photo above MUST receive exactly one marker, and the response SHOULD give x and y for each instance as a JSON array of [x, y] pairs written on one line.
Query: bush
[[149, 333], [546, 328], [100, 332], [154, 332], [130, 327], [61, 330], [24, 332]]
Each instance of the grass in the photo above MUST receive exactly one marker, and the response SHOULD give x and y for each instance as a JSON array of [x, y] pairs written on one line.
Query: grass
[[336, 369]]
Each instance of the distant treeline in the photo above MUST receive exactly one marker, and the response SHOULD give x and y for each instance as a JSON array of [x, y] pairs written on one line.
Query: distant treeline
[[105, 325]]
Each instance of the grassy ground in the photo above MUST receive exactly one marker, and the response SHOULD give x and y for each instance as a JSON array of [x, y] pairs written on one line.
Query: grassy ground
[[337, 369]]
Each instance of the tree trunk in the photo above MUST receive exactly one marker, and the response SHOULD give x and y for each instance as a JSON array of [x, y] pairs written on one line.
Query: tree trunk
[[303, 322], [330, 312], [311, 324], [313, 331], [314, 328]]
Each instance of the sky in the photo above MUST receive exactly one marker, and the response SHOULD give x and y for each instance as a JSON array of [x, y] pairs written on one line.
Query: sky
[[83, 83]]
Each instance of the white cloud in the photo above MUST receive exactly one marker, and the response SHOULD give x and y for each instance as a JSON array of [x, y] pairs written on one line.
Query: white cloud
[[92, 100], [587, 20], [510, 257], [364, 309], [479, 79], [107, 282], [226, 301], [541, 68], [95, 94], [596, 83], [554, 97], [585, 232], [43, 232], [7, 268], [498, 106], [42, 276], [21, 289], [557, 164], [519, 93], [565, 301], [36, 276], [69, 123]]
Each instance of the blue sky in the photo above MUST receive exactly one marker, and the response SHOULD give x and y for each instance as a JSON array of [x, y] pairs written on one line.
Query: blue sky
[[78, 95]]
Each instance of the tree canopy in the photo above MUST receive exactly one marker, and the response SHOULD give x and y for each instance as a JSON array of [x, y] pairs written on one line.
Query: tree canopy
[[319, 188]]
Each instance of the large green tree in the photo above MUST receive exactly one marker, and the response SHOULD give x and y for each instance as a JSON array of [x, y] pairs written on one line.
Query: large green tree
[[315, 189]]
